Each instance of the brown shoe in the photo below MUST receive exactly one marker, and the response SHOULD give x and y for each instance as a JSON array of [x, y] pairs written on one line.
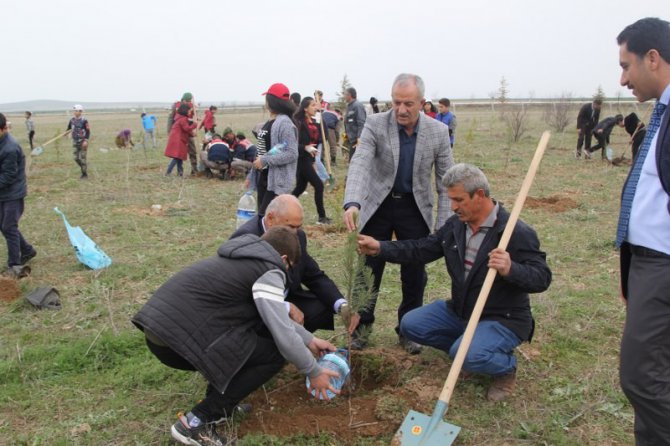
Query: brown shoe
[[502, 387]]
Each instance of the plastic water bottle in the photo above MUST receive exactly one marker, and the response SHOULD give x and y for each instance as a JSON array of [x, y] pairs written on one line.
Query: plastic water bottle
[[246, 208], [339, 362]]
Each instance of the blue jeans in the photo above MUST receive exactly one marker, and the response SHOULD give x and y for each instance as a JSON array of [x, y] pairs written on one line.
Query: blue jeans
[[491, 351]]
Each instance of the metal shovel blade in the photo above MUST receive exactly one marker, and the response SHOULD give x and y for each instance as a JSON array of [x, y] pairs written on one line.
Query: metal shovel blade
[[37, 151], [422, 430]]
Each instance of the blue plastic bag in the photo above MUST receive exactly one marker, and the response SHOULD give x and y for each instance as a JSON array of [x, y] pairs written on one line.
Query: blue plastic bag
[[87, 251], [320, 168]]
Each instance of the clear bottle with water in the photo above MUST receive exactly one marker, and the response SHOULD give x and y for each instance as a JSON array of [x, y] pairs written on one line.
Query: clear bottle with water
[[339, 362], [246, 208]]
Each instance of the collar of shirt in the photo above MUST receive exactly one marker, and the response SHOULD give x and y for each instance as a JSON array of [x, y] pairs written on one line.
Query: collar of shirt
[[665, 97], [490, 219], [401, 129]]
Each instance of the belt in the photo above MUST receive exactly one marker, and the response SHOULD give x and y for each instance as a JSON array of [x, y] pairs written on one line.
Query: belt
[[647, 252], [400, 195]]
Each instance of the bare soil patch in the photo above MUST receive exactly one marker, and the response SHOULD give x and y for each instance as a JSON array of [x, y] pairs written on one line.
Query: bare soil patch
[[553, 203], [376, 399], [9, 289]]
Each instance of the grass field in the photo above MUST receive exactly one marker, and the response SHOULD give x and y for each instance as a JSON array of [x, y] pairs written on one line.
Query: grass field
[[82, 375]]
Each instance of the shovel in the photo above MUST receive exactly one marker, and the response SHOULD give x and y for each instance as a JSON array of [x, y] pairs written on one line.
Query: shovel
[[422, 430], [40, 149], [330, 182]]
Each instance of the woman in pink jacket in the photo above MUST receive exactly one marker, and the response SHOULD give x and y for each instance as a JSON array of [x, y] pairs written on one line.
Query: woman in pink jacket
[[177, 145]]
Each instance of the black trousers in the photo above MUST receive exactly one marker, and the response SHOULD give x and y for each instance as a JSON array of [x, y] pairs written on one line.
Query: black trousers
[[584, 138], [603, 142], [305, 173], [265, 196], [17, 246], [317, 315], [399, 216], [645, 348], [263, 364]]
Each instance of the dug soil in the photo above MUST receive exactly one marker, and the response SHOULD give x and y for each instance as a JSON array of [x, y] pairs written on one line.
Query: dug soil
[[9, 289], [384, 385], [553, 203]]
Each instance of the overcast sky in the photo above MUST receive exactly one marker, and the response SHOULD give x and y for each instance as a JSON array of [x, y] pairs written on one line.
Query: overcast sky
[[144, 50]]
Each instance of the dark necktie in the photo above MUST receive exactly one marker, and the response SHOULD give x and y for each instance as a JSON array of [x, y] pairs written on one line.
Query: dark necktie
[[630, 186]]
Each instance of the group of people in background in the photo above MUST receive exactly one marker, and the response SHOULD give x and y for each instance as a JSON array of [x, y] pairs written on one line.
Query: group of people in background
[[589, 125]]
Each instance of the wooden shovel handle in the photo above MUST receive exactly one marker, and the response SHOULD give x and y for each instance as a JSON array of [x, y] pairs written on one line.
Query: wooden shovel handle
[[449, 385], [326, 145], [56, 137]]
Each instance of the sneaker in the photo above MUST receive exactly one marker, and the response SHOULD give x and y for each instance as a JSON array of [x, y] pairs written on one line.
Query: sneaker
[[502, 387], [240, 409], [17, 272], [410, 347], [203, 435], [84, 176], [587, 154], [578, 154], [324, 221], [25, 258]]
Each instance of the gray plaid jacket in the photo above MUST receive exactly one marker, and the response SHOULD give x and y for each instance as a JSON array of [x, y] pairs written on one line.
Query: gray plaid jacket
[[374, 166]]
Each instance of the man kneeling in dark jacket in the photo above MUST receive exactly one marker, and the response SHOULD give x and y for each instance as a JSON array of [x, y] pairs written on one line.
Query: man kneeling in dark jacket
[[233, 328], [468, 242]]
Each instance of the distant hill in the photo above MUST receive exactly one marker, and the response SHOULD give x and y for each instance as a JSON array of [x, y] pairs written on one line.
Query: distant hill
[[47, 105]]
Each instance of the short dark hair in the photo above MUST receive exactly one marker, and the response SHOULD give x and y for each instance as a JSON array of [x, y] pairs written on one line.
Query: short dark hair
[[212, 107], [598, 101], [280, 106], [285, 241], [29, 113], [3, 121], [183, 109], [143, 115], [295, 97], [646, 34], [618, 118], [352, 92], [444, 101]]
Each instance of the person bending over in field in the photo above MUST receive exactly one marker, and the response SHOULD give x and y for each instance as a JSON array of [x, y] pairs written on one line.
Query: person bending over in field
[[225, 317]]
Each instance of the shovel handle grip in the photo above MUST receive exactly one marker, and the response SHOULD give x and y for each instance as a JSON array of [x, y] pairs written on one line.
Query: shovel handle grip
[[449, 385]]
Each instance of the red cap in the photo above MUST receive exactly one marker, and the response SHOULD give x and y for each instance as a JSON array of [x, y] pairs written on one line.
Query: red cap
[[278, 90]]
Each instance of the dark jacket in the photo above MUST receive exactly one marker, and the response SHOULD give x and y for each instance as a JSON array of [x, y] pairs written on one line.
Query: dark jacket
[[354, 121], [206, 312], [304, 140], [606, 125], [13, 185], [508, 301], [587, 117], [663, 169], [307, 272]]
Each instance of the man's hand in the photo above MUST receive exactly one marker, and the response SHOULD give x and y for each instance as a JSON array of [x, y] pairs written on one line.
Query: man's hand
[[321, 384], [349, 218], [350, 319], [295, 314], [319, 346], [500, 260], [258, 164], [368, 245], [599, 131], [311, 150]]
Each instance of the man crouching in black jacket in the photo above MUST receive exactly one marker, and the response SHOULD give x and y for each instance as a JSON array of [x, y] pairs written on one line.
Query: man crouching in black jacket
[[225, 317]]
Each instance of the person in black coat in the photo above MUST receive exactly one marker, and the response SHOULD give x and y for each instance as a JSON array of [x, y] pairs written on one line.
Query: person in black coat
[[587, 119], [602, 133], [13, 189], [635, 128], [468, 242], [315, 306]]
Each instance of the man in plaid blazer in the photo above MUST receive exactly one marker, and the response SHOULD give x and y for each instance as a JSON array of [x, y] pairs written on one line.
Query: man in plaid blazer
[[389, 187]]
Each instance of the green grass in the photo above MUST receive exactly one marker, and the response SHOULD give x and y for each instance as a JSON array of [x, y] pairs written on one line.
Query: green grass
[[83, 376]]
